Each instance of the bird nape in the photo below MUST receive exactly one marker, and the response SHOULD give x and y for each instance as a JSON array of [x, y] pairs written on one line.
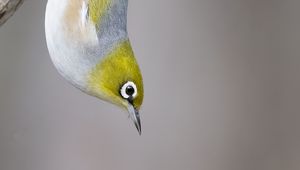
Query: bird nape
[[89, 46]]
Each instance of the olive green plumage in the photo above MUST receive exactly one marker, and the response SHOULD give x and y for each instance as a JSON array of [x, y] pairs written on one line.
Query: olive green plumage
[[117, 68], [97, 9], [89, 45]]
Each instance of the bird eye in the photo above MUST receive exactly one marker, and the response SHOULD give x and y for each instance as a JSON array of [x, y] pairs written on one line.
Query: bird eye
[[128, 90]]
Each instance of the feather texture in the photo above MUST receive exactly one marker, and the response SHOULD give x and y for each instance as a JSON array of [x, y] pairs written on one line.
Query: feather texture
[[97, 8], [89, 46]]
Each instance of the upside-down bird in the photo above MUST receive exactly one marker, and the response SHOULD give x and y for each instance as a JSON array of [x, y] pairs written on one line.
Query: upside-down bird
[[89, 46]]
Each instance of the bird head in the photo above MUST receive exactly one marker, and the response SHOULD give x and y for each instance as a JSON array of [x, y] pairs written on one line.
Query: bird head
[[118, 80], [89, 46]]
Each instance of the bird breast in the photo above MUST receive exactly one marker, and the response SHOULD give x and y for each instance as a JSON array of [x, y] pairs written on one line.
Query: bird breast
[[78, 39]]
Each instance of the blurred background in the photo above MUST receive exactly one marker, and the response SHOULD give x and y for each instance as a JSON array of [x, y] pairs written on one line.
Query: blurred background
[[222, 92]]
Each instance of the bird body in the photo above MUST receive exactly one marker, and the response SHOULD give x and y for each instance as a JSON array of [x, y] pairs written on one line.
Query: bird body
[[89, 45]]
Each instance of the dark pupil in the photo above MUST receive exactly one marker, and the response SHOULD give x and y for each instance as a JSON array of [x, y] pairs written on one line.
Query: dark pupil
[[129, 90]]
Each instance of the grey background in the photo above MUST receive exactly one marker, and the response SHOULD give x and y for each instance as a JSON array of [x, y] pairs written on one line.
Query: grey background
[[222, 92]]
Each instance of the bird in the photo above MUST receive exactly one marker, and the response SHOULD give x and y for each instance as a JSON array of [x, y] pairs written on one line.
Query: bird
[[89, 46]]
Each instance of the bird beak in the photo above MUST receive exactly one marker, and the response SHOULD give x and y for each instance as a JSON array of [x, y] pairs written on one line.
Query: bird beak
[[135, 116]]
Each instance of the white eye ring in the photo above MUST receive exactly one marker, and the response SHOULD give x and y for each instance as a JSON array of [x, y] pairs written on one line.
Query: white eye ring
[[124, 91]]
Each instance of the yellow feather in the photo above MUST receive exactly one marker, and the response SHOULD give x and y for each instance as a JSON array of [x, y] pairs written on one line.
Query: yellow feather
[[97, 8], [113, 71]]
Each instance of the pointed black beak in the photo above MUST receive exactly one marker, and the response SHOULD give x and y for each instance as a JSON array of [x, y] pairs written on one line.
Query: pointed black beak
[[135, 116], [138, 122]]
